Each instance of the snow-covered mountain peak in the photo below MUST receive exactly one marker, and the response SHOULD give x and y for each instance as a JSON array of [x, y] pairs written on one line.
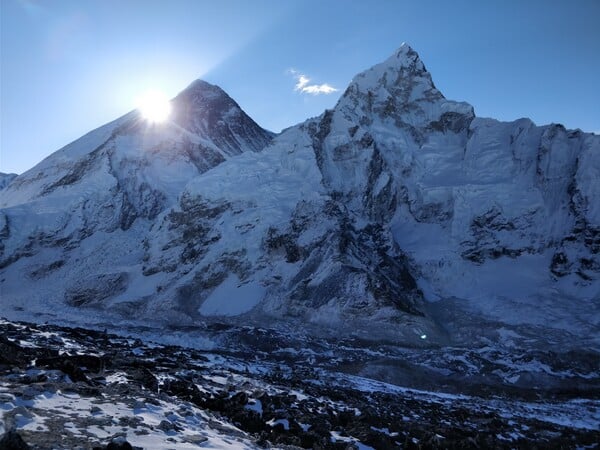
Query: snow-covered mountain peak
[[355, 217], [400, 90], [205, 109], [402, 66], [405, 56], [202, 94]]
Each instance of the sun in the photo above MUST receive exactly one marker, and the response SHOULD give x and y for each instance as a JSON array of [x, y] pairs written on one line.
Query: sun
[[154, 106]]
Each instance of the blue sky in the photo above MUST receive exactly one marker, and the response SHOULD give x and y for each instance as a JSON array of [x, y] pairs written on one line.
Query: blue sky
[[70, 66]]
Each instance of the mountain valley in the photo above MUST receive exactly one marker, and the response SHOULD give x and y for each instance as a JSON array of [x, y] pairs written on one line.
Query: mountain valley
[[394, 273]]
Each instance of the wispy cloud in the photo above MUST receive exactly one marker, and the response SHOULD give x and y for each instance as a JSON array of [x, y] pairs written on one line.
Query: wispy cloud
[[304, 85]]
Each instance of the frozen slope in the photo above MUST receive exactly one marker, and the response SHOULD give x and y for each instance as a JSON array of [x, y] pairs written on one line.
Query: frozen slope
[[354, 218], [500, 215], [6, 178], [72, 227]]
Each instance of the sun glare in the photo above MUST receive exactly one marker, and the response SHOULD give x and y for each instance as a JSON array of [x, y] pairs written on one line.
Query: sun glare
[[154, 106]]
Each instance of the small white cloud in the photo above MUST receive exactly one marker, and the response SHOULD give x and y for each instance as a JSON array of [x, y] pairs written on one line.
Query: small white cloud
[[304, 86], [301, 82], [317, 89]]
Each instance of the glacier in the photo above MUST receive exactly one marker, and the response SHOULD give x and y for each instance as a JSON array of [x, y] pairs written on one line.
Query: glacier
[[380, 218]]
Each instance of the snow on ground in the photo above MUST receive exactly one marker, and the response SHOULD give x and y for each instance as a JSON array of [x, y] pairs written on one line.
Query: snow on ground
[[154, 424], [576, 413], [159, 397]]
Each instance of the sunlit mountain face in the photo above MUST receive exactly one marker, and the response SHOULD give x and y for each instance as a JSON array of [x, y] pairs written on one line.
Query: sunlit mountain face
[[396, 238]]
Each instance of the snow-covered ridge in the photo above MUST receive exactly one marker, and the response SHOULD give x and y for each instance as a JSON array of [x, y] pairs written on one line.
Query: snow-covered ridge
[[6, 178], [395, 197]]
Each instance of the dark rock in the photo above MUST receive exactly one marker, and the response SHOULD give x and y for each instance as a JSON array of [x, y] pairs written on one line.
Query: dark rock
[[452, 121], [119, 444], [11, 440], [366, 140], [182, 389], [249, 421], [241, 398], [45, 269], [143, 376], [166, 426], [560, 265], [12, 353], [96, 288], [65, 364], [84, 363]]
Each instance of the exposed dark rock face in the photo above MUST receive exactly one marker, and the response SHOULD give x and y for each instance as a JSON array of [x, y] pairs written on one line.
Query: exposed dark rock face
[[119, 445], [11, 440], [207, 110], [92, 290]]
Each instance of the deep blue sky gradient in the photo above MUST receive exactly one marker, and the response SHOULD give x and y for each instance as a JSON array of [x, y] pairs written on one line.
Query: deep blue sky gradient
[[72, 65]]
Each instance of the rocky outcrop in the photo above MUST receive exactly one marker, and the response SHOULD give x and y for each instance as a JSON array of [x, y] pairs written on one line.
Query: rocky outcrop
[[261, 388], [206, 110]]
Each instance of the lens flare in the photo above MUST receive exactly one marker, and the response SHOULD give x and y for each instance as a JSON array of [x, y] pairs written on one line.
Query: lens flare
[[154, 106]]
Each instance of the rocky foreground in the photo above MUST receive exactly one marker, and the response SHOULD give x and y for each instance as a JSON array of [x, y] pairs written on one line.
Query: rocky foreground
[[77, 388]]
